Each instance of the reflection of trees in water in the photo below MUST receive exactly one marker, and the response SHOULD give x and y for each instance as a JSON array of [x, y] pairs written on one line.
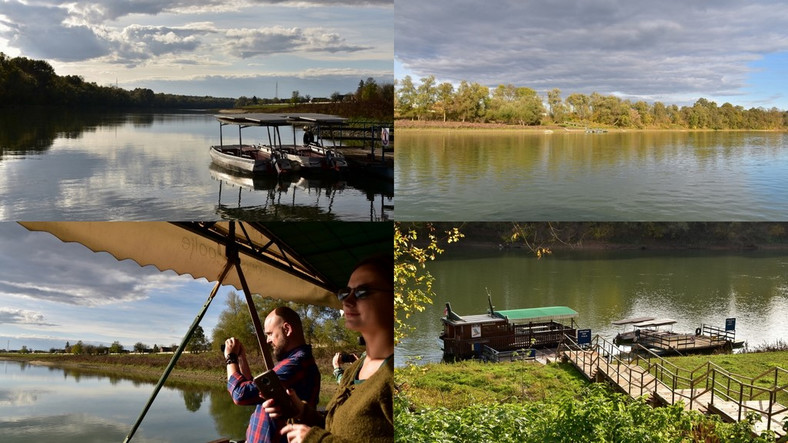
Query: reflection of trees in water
[[230, 419], [192, 399], [24, 130]]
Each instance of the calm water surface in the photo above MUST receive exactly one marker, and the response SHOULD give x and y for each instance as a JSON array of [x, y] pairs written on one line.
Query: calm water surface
[[692, 288], [655, 176], [38, 403], [57, 165]]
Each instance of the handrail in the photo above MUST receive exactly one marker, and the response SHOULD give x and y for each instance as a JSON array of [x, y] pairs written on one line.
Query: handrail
[[706, 378]]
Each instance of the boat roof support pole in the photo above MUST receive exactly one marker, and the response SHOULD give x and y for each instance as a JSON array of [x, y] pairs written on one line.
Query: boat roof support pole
[[240, 143], [180, 349], [232, 255], [220, 134]]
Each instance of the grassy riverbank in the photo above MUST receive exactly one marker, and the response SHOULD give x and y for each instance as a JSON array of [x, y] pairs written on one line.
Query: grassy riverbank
[[524, 401], [204, 370]]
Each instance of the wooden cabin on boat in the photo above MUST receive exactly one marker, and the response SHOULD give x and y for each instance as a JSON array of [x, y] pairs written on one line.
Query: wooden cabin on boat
[[472, 336]]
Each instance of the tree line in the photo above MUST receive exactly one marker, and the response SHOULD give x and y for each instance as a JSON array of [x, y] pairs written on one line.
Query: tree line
[[510, 104], [25, 81], [726, 235], [371, 100]]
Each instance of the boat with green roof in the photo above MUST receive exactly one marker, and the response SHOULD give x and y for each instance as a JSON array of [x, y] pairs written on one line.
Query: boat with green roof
[[505, 331]]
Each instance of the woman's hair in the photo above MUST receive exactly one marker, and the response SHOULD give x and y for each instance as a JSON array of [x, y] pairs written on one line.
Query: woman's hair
[[383, 264]]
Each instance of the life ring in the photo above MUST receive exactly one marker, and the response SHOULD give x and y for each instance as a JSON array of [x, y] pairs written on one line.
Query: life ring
[[697, 331]]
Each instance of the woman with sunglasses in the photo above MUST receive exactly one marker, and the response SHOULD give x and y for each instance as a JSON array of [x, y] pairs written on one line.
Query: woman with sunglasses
[[362, 408]]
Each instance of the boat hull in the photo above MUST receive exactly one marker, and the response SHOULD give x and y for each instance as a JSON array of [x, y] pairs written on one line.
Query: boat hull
[[248, 160]]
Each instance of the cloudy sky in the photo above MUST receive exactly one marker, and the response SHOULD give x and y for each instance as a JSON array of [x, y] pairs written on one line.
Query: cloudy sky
[[53, 292], [674, 51], [207, 47]]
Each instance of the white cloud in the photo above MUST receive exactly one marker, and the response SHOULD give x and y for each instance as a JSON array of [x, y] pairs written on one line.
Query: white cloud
[[247, 43], [22, 317]]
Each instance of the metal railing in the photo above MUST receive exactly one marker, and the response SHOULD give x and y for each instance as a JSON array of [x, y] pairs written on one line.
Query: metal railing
[[644, 371]]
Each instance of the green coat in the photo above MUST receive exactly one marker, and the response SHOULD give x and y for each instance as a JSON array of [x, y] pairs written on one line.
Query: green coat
[[360, 412]]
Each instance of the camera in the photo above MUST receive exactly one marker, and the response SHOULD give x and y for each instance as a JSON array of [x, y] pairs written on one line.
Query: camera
[[223, 348], [347, 358]]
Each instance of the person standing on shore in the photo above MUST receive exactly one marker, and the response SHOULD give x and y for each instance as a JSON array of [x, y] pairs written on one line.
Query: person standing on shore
[[296, 369]]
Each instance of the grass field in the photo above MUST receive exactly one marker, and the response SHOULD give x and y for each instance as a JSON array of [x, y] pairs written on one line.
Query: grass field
[[526, 401]]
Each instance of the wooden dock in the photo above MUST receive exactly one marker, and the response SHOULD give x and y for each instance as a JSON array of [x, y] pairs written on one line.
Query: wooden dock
[[708, 389], [680, 344]]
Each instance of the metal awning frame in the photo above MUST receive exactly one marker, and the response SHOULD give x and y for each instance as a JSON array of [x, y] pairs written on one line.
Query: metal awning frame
[[232, 248]]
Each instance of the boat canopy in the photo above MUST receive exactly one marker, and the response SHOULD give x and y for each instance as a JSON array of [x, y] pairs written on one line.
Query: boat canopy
[[538, 314], [269, 119], [253, 119], [632, 320], [655, 323]]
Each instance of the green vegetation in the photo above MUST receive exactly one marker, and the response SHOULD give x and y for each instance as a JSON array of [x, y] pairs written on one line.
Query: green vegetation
[[744, 367], [24, 82], [595, 415], [527, 402], [454, 386], [656, 235], [514, 105], [414, 246]]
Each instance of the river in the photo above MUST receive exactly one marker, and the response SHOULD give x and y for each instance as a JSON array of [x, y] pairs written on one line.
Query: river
[[39, 403], [691, 287], [72, 165], [631, 176]]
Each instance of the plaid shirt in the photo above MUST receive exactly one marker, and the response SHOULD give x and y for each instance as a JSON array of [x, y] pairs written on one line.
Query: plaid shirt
[[297, 371]]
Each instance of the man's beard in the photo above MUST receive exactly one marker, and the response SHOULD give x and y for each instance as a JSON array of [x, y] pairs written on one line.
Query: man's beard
[[280, 354]]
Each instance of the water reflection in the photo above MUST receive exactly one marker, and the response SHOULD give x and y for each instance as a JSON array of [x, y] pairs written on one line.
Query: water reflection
[[677, 175], [294, 197], [34, 130], [39, 403], [143, 166]]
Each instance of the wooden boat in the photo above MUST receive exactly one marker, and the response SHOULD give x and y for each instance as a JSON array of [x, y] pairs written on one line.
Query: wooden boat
[[250, 158], [504, 331]]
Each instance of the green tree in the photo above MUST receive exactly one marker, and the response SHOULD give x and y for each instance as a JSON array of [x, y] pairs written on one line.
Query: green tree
[[557, 106], [140, 347], [198, 342], [412, 280], [510, 104], [116, 347], [295, 98], [444, 98], [471, 101], [426, 96], [406, 98], [78, 348], [581, 105]]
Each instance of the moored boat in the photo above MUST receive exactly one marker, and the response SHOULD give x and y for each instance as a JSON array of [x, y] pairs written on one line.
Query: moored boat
[[251, 158], [505, 331]]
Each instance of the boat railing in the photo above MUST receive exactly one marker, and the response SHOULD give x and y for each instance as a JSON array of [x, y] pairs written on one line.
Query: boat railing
[[718, 333]]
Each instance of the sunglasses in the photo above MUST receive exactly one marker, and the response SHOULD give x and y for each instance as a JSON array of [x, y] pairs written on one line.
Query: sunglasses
[[361, 292]]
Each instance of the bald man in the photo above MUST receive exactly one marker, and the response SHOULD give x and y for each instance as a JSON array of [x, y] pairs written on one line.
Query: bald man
[[296, 369]]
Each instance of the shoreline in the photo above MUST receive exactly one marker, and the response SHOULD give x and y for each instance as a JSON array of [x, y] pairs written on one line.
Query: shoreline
[[204, 371], [593, 245], [433, 125]]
